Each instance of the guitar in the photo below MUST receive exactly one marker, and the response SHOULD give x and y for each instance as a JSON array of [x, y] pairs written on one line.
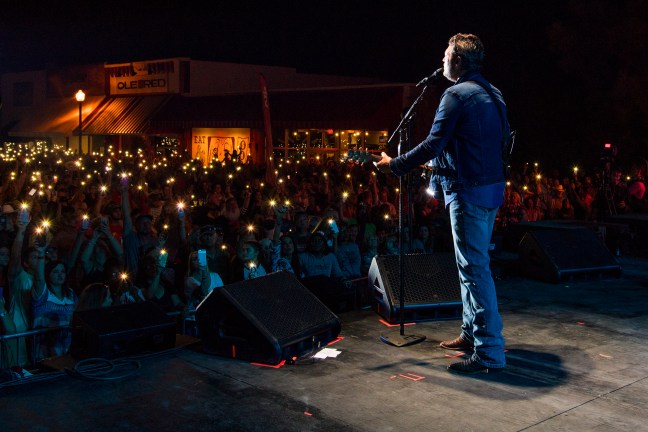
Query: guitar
[[363, 156]]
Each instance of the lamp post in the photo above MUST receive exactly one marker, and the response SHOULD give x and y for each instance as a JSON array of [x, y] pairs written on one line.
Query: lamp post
[[80, 97]]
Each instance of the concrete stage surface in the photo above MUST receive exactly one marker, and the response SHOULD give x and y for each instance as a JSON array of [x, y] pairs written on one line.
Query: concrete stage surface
[[577, 361]]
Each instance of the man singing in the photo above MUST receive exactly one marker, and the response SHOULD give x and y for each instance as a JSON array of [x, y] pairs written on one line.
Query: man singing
[[465, 147]]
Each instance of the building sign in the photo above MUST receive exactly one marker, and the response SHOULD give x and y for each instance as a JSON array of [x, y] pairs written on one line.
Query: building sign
[[139, 78], [221, 144], [148, 85]]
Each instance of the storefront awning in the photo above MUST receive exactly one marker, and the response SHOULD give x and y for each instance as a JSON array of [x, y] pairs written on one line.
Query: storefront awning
[[124, 115], [56, 117]]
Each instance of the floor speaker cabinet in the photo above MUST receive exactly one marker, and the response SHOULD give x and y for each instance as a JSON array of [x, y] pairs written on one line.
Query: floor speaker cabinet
[[266, 320], [121, 330], [558, 255], [432, 289], [515, 232]]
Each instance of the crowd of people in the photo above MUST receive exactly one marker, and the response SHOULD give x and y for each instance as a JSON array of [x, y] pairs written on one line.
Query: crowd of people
[[83, 232], [591, 196]]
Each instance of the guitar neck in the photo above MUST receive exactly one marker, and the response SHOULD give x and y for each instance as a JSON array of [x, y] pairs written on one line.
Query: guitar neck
[[361, 156], [364, 156]]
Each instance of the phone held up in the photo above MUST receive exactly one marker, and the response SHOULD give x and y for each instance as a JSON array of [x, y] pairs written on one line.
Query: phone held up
[[162, 259], [202, 257], [24, 214], [41, 238]]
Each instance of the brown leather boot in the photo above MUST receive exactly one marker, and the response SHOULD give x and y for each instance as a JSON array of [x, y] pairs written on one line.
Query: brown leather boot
[[457, 344]]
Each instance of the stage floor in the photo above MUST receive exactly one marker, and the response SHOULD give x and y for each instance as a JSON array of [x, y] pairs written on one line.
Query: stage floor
[[577, 360]]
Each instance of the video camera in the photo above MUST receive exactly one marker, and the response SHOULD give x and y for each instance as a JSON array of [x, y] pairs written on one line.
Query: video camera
[[609, 152]]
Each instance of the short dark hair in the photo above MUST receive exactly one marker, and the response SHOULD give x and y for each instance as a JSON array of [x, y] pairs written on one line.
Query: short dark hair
[[470, 49], [253, 243]]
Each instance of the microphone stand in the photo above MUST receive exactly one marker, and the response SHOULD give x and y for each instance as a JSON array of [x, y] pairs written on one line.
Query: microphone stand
[[401, 339]]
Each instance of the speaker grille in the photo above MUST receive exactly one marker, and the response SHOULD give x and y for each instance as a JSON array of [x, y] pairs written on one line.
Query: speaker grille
[[428, 278], [279, 303]]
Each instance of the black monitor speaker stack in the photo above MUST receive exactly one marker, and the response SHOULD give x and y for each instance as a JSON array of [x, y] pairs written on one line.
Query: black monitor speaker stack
[[266, 320], [432, 289], [564, 254]]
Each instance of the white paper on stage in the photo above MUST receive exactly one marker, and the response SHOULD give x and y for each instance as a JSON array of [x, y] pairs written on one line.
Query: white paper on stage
[[327, 352]]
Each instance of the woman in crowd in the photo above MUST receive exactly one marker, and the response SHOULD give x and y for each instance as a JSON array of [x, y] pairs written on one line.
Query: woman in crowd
[[248, 266], [158, 287], [218, 256], [288, 259], [100, 247], [511, 210], [322, 272], [531, 213], [389, 244], [318, 260], [8, 348], [23, 265], [423, 242], [199, 282], [300, 233], [172, 236], [53, 303], [348, 207], [94, 296], [122, 289], [348, 251], [271, 243]]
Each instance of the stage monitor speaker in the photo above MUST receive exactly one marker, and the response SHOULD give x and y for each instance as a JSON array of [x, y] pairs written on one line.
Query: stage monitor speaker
[[121, 330], [514, 232], [557, 255], [432, 289], [265, 320]]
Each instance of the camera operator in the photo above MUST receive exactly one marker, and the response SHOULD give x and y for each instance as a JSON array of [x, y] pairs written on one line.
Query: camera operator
[[612, 195]]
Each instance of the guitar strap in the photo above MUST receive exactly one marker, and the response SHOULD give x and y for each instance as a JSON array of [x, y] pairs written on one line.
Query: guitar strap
[[495, 101], [507, 141]]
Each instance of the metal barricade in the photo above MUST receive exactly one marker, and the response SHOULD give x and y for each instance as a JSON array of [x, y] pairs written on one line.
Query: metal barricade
[[14, 354], [17, 349]]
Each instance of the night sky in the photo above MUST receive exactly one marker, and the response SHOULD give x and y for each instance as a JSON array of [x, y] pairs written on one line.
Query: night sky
[[574, 73]]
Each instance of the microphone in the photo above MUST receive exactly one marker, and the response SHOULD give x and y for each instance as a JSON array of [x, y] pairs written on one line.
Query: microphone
[[436, 75]]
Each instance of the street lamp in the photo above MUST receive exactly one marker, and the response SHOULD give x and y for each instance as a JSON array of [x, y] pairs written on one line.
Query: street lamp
[[80, 97]]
